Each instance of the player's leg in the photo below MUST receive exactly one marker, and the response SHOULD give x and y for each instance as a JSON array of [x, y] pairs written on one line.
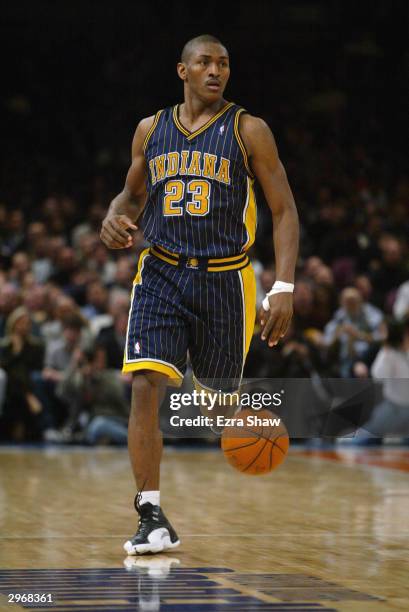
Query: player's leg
[[154, 533], [156, 355], [223, 327], [144, 434]]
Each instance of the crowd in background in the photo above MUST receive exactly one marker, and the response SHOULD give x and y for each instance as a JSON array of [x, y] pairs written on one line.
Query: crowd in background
[[64, 301], [64, 297]]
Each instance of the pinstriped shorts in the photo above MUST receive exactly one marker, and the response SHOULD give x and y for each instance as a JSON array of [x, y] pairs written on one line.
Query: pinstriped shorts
[[177, 311]]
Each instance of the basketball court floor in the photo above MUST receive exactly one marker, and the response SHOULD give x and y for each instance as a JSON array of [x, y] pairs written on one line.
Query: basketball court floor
[[327, 530]]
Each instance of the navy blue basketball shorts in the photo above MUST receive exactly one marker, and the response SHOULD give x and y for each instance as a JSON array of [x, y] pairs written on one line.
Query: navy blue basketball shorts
[[184, 305]]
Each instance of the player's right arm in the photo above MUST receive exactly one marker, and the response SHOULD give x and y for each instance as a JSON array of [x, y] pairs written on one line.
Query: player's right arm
[[127, 206]]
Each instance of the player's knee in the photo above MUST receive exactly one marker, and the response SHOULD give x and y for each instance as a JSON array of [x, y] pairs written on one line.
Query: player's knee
[[146, 398], [147, 394], [146, 382]]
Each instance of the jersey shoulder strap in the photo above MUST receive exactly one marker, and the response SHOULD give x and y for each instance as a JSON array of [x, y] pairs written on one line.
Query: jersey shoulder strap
[[240, 111], [152, 129]]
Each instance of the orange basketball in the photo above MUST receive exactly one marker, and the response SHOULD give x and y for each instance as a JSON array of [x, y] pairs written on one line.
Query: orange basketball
[[254, 442]]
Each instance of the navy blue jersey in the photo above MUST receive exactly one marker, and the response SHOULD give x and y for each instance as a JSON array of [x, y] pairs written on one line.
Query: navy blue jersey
[[201, 200]]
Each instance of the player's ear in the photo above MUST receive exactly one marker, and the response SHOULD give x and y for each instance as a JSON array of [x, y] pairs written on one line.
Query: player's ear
[[181, 70]]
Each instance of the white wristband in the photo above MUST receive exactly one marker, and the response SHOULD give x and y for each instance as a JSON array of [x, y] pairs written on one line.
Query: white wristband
[[278, 287]]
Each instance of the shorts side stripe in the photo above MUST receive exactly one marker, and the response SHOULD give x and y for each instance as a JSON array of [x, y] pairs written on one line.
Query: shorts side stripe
[[248, 287], [157, 365], [137, 281]]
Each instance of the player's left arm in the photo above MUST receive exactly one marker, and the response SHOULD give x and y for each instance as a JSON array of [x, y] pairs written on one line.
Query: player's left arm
[[268, 169]]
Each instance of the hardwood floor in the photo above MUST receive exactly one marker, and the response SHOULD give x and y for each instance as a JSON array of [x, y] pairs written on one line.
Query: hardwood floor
[[318, 533]]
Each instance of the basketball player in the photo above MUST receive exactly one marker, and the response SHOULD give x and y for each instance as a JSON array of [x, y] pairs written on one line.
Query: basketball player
[[192, 174]]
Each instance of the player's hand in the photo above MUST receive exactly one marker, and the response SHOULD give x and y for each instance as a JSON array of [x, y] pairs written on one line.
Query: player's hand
[[275, 322], [114, 232]]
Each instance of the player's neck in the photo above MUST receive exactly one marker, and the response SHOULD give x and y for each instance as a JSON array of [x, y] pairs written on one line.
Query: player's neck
[[193, 108]]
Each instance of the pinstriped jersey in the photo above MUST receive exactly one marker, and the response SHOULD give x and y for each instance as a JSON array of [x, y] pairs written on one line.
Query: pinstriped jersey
[[201, 200]]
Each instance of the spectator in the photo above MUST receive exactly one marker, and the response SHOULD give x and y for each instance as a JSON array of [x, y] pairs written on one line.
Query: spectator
[[125, 272], [312, 265], [59, 353], [21, 354], [391, 416], [112, 338], [68, 273], [301, 355], [96, 396], [324, 289], [38, 244], [390, 272], [355, 326], [14, 236], [362, 282], [10, 298], [58, 357], [20, 265], [92, 223], [35, 300], [306, 313], [95, 258], [60, 306], [53, 215], [96, 301]]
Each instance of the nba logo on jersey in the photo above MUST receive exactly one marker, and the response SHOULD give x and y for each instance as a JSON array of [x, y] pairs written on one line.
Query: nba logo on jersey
[[221, 130], [137, 348]]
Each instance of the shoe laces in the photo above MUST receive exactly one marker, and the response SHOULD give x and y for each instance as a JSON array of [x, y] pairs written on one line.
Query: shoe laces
[[147, 513], [137, 499]]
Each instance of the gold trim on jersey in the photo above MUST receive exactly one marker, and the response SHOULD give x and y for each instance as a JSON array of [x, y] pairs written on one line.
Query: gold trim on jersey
[[240, 141], [249, 297], [191, 135], [138, 277], [151, 130], [173, 262], [237, 266], [157, 365], [250, 214], [223, 259], [221, 264]]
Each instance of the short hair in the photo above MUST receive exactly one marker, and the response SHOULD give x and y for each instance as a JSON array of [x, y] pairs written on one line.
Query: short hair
[[191, 44]]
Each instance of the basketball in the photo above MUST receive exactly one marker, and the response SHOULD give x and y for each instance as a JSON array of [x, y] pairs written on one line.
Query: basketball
[[255, 442]]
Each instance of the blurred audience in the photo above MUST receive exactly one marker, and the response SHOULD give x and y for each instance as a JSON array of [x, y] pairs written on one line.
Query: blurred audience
[[64, 297]]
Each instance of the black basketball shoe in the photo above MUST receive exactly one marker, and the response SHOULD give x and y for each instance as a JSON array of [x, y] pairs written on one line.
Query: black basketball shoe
[[155, 533]]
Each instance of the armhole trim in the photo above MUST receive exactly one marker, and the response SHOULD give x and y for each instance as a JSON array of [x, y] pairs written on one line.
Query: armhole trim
[[151, 130], [241, 143]]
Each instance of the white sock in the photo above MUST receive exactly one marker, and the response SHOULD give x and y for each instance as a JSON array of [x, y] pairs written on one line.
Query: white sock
[[150, 496]]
